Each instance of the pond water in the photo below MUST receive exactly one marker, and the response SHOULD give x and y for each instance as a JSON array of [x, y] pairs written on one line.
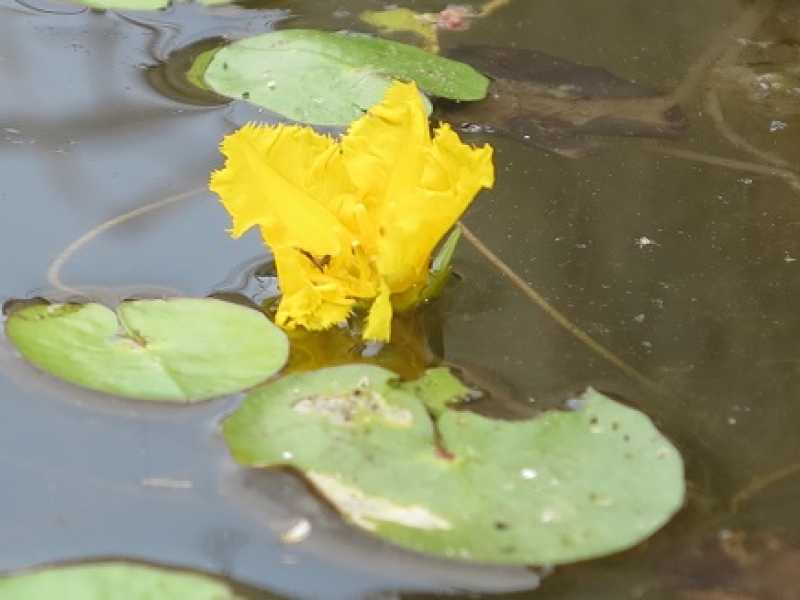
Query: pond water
[[680, 257]]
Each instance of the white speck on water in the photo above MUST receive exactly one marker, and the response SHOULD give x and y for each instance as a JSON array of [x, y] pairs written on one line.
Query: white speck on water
[[788, 258], [647, 345], [639, 318], [745, 180], [726, 534], [298, 532], [470, 128], [168, 483], [286, 455], [731, 421], [777, 126], [528, 474], [645, 241], [271, 84]]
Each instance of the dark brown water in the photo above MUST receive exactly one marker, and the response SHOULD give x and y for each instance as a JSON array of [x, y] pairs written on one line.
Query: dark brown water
[[688, 271]]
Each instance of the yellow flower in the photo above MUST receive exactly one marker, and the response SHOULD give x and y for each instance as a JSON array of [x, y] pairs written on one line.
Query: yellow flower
[[353, 221]]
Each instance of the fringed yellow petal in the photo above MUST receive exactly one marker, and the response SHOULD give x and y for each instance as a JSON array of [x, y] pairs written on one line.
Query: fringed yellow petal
[[271, 178], [379, 319], [310, 298], [414, 188], [355, 220]]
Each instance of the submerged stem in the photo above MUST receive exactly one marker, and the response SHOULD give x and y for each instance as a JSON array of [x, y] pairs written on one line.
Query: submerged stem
[[54, 272], [552, 312], [713, 107], [758, 485], [492, 6]]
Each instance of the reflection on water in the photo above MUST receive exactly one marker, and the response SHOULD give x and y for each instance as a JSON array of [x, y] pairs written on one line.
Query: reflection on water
[[681, 257]]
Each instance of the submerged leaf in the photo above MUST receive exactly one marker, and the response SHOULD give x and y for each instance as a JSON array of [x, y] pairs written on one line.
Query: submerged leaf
[[177, 350], [559, 105], [563, 487], [331, 78], [112, 581]]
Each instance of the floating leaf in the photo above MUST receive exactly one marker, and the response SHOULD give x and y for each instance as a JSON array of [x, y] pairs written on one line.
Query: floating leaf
[[563, 487], [402, 20], [112, 581], [331, 78], [195, 74], [176, 350]]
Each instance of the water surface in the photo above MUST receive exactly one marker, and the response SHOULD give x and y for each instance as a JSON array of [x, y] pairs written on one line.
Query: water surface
[[685, 270]]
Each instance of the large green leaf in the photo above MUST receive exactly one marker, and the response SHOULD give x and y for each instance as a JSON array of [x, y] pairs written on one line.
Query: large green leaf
[[112, 581], [179, 350], [331, 78], [563, 487]]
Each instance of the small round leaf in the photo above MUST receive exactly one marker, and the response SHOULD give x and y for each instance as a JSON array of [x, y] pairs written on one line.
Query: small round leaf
[[112, 581], [176, 350]]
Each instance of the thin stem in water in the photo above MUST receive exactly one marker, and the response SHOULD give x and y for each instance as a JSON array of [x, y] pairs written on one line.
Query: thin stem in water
[[552, 312], [54, 272], [792, 178]]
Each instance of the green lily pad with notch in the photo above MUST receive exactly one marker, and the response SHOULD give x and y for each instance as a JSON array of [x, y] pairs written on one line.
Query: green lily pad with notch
[[563, 487], [332, 78], [112, 581], [175, 350]]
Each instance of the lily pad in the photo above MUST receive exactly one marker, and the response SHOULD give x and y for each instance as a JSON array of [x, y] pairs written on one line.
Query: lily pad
[[563, 487], [112, 581], [332, 78], [176, 350]]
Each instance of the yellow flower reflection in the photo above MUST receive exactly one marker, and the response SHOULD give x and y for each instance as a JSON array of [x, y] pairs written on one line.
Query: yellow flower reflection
[[355, 221]]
